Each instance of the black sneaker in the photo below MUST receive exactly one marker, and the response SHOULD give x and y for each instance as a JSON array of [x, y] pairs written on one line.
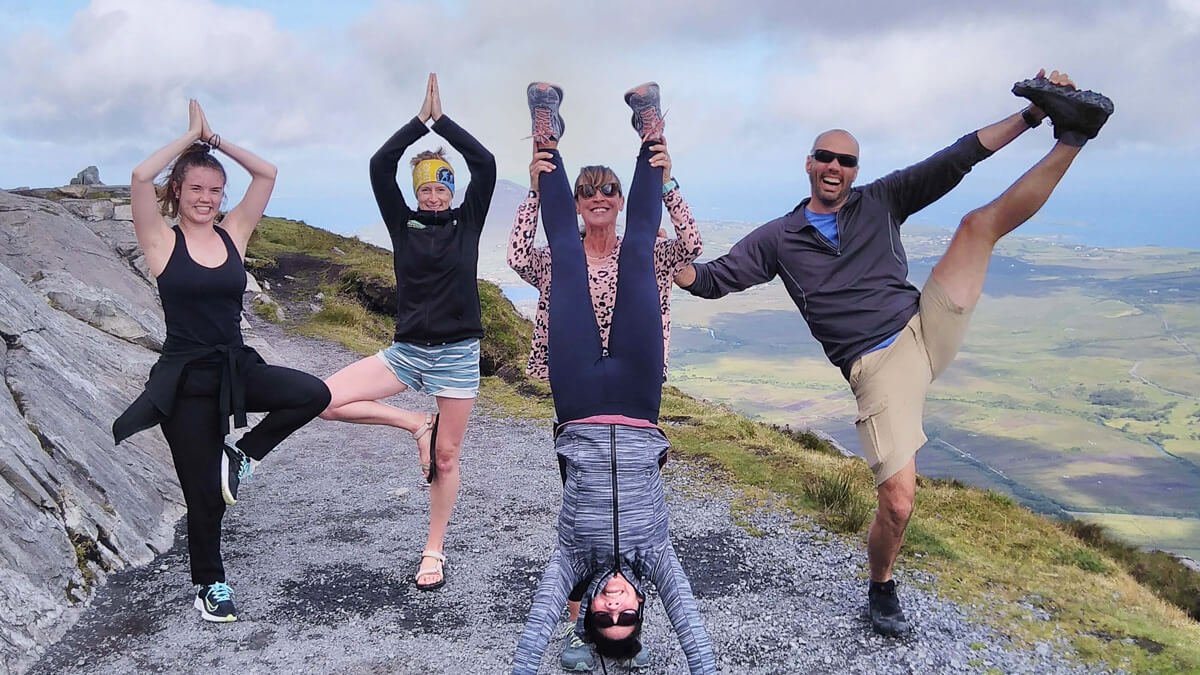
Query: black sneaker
[[887, 618], [1077, 114], [235, 468], [215, 602]]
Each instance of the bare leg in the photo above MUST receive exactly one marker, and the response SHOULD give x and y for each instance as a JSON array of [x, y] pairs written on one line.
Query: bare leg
[[896, 495], [443, 492], [961, 272], [355, 391], [962, 269]]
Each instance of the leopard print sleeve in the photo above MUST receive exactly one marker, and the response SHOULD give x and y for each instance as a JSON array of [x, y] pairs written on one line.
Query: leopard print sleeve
[[530, 263], [687, 245], [533, 265], [671, 255]]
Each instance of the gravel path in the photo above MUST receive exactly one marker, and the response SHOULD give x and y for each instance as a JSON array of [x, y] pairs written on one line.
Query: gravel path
[[322, 547]]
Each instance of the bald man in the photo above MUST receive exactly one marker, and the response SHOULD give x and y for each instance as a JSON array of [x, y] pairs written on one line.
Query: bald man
[[841, 260]]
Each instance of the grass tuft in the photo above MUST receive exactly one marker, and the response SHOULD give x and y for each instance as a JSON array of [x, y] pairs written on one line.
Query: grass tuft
[[843, 506]]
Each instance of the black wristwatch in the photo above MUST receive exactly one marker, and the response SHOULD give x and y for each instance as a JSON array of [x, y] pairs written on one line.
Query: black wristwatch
[[532, 194], [1029, 118]]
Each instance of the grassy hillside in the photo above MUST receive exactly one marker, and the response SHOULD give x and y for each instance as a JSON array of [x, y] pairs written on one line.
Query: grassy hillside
[[1032, 577]]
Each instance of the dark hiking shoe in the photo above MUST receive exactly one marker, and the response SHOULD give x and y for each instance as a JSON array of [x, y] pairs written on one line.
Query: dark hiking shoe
[[215, 602], [647, 114], [640, 661], [887, 618], [235, 468], [1077, 114], [577, 655], [544, 99]]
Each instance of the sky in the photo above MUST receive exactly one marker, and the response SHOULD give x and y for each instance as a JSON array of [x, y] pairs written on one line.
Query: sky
[[316, 87]]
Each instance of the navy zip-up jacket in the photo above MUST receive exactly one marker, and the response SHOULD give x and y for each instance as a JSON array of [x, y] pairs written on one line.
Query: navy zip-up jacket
[[435, 255], [855, 295]]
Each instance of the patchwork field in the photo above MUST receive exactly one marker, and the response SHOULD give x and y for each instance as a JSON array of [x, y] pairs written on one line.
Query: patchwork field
[[1077, 390]]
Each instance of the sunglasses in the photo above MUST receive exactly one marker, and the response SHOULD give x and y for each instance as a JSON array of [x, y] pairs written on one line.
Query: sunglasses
[[826, 156], [587, 190], [628, 617]]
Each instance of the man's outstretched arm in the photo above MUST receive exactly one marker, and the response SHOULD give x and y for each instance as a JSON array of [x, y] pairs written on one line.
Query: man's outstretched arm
[[750, 262]]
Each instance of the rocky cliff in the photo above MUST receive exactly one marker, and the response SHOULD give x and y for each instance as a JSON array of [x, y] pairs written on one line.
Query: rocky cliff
[[81, 324]]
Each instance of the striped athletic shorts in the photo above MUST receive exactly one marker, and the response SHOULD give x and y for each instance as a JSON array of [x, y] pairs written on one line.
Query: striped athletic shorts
[[450, 370]]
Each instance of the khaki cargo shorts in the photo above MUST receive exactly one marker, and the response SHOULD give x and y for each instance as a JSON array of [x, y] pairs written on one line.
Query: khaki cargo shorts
[[890, 383]]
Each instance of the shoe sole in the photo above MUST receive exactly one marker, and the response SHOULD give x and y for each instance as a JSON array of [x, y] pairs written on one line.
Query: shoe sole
[[1083, 106], [212, 618], [226, 493], [888, 631]]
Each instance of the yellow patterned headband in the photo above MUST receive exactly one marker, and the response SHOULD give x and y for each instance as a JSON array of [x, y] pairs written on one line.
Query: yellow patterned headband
[[433, 171]]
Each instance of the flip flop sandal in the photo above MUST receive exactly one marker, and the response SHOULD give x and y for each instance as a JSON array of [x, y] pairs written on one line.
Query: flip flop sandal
[[429, 426], [424, 571]]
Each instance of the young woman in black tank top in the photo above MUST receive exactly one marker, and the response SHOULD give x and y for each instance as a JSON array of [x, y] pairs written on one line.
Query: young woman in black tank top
[[206, 373]]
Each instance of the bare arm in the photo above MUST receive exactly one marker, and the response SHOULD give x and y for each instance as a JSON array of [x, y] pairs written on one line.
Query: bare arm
[[153, 235], [241, 221]]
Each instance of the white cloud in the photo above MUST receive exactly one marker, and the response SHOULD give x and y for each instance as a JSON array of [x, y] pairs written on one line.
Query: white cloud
[[740, 81]]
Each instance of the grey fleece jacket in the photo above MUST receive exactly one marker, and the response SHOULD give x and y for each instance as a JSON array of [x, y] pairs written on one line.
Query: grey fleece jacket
[[855, 295], [614, 511]]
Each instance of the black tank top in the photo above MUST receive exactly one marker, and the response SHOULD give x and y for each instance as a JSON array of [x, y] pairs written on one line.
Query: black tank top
[[202, 306]]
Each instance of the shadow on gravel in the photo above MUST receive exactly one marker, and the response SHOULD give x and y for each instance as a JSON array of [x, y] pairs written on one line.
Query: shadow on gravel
[[331, 595], [519, 578], [715, 564]]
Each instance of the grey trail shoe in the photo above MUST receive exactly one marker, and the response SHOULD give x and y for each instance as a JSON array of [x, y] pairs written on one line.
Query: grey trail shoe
[[1077, 114], [887, 618], [640, 661], [577, 655], [647, 114], [544, 99]]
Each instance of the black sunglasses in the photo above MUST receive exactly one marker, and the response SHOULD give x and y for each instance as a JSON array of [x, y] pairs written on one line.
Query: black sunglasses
[[628, 617], [587, 190], [827, 156]]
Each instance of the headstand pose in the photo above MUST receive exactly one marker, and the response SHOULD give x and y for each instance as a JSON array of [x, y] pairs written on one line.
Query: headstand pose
[[613, 529], [841, 260], [206, 373], [438, 326]]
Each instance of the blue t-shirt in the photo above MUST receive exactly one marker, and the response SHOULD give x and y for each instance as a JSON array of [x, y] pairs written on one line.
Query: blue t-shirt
[[826, 224]]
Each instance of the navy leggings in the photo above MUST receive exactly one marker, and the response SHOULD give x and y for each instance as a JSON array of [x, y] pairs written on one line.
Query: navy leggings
[[626, 378]]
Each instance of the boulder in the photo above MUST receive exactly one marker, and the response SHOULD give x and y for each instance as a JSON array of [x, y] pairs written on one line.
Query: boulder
[[38, 234], [101, 309], [74, 313], [89, 176], [90, 209]]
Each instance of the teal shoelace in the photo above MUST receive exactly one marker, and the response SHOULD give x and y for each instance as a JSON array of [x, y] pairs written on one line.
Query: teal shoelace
[[219, 592]]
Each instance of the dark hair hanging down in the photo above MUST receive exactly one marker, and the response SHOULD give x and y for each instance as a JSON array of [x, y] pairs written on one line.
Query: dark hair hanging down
[[197, 154], [618, 650]]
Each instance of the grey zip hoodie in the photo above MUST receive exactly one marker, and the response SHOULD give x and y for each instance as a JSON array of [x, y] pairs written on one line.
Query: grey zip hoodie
[[614, 512]]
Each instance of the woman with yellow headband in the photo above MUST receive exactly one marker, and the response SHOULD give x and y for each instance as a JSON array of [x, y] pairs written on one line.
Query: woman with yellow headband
[[435, 349]]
